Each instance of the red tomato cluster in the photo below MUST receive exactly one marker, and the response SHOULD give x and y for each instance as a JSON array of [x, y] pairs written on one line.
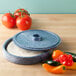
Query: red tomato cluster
[[21, 18]]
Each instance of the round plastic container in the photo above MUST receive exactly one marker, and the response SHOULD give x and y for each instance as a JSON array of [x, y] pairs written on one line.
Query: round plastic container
[[33, 46]]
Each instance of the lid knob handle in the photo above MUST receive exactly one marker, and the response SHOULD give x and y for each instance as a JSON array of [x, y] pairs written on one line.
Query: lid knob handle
[[37, 37]]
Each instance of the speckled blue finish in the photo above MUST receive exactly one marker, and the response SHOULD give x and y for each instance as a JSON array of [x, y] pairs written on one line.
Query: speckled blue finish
[[23, 60], [36, 40], [44, 40]]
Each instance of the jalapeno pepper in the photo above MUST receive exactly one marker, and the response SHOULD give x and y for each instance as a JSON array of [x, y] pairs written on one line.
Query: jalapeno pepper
[[53, 63]]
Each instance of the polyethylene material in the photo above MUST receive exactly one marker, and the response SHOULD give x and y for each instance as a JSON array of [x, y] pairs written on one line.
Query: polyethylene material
[[23, 60], [37, 40]]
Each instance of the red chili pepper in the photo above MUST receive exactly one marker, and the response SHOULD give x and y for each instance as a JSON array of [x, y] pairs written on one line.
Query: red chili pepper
[[57, 59], [66, 59]]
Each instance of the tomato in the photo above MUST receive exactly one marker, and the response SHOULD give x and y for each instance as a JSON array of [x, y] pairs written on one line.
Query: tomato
[[24, 22], [22, 11], [8, 20]]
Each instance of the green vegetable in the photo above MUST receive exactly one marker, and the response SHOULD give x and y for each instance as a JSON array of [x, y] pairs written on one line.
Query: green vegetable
[[53, 63], [73, 55]]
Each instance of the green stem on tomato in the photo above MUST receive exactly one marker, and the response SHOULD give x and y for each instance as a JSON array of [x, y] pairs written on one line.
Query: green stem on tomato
[[12, 15]]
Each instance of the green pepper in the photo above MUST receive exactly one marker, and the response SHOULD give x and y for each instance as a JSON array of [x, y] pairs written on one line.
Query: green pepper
[[53, 63], [73, 55]]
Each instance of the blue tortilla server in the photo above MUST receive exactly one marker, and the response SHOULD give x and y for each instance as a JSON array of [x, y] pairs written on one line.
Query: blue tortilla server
[[32, 40]]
